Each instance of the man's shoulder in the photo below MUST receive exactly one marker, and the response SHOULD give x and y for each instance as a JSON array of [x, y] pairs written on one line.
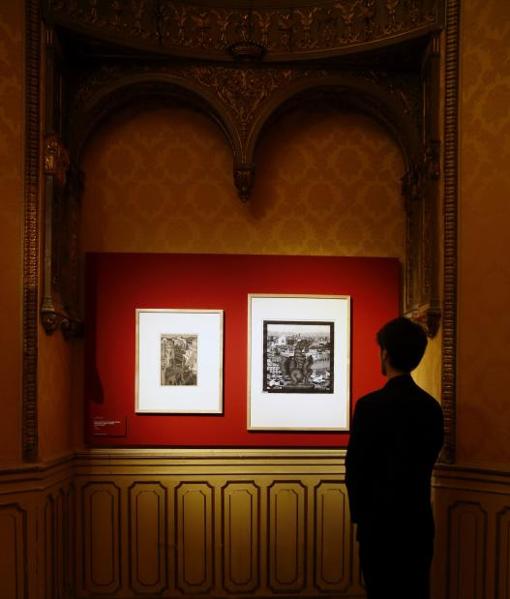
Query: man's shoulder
[[411, 390], [426, 397], [371, 397]]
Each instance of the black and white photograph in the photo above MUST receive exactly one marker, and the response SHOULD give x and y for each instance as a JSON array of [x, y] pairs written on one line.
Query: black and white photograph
[[298, 357], [179, 359]]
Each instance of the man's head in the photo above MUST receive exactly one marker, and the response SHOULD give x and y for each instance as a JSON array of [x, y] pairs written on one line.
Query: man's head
[[402, 343]]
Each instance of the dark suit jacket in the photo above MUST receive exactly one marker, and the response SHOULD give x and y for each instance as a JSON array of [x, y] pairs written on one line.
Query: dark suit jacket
[[396, 436]]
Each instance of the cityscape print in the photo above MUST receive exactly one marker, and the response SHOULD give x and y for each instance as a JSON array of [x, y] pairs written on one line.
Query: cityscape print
[[298, 357], [179, 360]]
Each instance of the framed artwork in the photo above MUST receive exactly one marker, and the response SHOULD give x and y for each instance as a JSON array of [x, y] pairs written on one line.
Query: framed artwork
[[298, 362], [179, 361]]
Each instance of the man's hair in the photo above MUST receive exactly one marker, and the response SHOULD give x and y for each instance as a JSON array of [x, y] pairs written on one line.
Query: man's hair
[[405, 341]]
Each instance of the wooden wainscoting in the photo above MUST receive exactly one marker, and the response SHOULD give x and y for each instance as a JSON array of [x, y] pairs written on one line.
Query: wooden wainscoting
[[472, 558], [215, 523], [226, 523], [36, 531]]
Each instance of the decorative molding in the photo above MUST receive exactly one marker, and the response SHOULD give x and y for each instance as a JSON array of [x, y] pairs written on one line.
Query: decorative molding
[[420, 188], [333, 552], [502, 568], [243, 100], [287, 536], [468, 500], [62, 193], [449, 338], [148, 527], [285, 31], [244, 176], [467, 523], [429, 317], [240, 536], [59, 306], [229, 534], [31, 237], [101, 525], [56, 159], [14, 534], [50, 546], [194, 508]]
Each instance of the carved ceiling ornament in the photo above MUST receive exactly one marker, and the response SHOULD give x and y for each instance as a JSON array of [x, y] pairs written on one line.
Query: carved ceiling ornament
[[293, 30]]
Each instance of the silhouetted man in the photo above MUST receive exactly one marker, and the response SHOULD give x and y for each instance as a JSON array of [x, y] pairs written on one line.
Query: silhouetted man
[[396, 436]]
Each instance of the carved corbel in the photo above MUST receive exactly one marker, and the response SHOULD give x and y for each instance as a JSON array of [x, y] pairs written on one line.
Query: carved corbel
[[244, 177], [56, 159], [413, 183], [429, 317], [433, 160]]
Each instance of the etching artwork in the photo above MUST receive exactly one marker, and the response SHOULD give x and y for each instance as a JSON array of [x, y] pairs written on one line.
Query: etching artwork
[[179, 360], [298, 357]]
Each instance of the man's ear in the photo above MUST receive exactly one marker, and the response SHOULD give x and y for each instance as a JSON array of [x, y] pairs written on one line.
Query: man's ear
[[384, 358]]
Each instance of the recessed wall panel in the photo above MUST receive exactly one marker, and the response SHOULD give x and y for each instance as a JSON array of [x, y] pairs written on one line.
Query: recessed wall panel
[[13, 562], [332, 547], [194, 542], [241, 537], [467, 532], [101, 537], [287, 537], [503, 554], [147, 528]]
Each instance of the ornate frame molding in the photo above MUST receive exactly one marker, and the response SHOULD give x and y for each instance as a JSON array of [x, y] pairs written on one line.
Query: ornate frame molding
[[449, 342], [31, 237]]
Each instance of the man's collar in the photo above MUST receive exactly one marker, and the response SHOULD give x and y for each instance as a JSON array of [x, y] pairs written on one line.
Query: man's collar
[[401, 379]]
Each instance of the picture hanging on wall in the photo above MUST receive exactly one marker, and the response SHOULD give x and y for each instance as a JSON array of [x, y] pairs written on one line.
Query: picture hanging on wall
[[298, 362], [179, 361]]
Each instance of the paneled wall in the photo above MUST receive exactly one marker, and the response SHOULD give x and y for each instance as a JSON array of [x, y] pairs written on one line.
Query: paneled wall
[[36, 532], [264, 523], [255, 523], [216, 523], [473, 522]]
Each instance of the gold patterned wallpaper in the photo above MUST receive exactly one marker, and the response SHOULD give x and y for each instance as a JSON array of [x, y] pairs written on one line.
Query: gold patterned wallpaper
[[57, 411], [428, 373], [484, 216], [11, 215], [160, 180]]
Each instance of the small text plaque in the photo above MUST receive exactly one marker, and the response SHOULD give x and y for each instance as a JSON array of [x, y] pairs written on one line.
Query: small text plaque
[[106, 426]]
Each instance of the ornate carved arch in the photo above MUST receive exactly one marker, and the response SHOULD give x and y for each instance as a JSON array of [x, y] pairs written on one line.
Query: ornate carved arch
[[242, 98], [364, 93], [376, 56], [98, 102]]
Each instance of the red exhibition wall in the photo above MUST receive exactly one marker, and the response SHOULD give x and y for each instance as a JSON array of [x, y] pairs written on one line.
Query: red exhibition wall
[[118, 284]]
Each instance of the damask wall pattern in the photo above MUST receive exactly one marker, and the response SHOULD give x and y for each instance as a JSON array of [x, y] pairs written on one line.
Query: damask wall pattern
[[11, 219], [428, 373], [484, 269], [57, 411], [160, 180]]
